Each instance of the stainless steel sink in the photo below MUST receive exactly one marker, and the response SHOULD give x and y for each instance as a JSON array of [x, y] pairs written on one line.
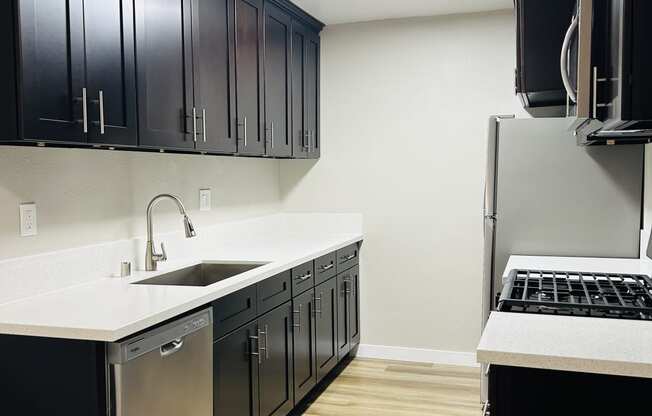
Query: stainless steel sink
[[203, 274]]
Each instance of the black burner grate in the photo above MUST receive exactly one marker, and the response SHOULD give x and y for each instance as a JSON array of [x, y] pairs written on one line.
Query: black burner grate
[[605, 295]]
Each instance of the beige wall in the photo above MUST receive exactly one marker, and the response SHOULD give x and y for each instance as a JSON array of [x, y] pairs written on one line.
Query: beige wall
[[86, 196], [405, 107]]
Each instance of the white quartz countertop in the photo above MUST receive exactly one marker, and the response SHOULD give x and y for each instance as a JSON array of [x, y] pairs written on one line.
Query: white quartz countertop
[[109, 308], [592, 345]]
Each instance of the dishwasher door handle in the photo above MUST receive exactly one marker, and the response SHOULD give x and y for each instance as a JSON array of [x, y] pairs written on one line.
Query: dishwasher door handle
[[171, 347]]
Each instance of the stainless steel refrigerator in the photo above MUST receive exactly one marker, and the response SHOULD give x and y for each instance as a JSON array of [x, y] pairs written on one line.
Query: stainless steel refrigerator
[[547, 196]]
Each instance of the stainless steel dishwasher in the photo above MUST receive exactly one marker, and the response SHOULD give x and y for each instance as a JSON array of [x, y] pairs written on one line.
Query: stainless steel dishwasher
[[167, 371]]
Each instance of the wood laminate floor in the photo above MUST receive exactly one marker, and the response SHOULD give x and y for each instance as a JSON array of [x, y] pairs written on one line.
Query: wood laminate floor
[[383, 388]]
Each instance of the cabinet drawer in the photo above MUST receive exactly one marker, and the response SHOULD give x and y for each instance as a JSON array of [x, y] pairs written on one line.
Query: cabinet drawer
[[347, 257], [274, 291], [325, 268], [234, 310], [303, 278]]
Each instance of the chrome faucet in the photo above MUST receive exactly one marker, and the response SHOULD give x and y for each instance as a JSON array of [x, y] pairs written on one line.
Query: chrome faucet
[[151, 257]]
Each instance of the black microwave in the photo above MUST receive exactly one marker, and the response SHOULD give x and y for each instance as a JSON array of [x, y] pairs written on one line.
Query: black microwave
[[606, 69]]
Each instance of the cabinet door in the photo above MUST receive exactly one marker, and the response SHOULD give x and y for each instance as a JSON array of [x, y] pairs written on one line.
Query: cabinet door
[[214, 74], [305, 371], [277, 81], [163, 45], [326, 327], [235, 373], [111, 72], [354, 308], [343, 320], [249, 76], [52, 48], [312, 95], [275, 380], [298, 130]]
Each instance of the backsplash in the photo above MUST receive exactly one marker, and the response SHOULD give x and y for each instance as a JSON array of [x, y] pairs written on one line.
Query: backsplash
[[87, 197], [33, 275]]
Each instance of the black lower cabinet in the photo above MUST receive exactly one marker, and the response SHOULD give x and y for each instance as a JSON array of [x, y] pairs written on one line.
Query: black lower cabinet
[[54, 377], [354, 307], [348, 311], [305, 371], [253, 367], [235, 373], [275, 379], [326, 327], [517, 391]]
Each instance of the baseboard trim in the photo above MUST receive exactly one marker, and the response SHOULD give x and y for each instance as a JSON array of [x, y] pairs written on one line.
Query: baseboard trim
[[417, 355]]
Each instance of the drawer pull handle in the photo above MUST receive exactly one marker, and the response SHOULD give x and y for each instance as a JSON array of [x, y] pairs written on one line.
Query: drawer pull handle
[[327, 267], [304, 277], [347, 258]]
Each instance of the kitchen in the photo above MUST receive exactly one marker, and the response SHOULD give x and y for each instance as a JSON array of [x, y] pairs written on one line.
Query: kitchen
[[249, 207]]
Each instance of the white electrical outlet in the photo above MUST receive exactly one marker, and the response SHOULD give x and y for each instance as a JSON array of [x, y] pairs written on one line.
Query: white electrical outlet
[[204, 199], [28, 225]]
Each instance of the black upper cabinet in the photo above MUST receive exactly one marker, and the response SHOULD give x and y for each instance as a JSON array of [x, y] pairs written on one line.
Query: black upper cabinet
[[305, 91], [312, 94], [278, 31], [110, 72], [8, 110], [209, 76], [214, 74], [298, 56], [164, 52], [52, 55], [249, 77], [78, 71], [541, 27]]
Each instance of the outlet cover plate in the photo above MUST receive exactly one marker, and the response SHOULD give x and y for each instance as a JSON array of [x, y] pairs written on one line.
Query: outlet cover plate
[[204, 199], [28, 223]]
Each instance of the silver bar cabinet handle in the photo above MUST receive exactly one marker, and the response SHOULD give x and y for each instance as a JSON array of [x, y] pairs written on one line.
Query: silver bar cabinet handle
[[318, 303], [194, 124], [257, 353], [298, 324], [266, 342], [272, 134], [245, 131], [260, 348], [595, 92], [346, 281], [85, 109], [306, 143], [101, 112], [327, 267], [203, 117]]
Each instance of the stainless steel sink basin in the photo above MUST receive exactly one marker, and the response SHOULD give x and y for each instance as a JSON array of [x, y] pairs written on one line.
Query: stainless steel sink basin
[[203, 274]]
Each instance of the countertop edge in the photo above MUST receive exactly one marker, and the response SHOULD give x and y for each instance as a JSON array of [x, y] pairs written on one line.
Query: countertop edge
[[560, 363]]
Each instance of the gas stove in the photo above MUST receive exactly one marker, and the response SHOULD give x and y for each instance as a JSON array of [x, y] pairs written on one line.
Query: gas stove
[[600, 295]]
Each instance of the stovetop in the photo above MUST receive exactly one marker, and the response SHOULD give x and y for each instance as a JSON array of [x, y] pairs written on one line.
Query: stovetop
[[603, 295]]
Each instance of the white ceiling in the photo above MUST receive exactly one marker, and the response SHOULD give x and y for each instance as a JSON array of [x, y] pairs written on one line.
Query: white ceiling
[[349, 11]]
